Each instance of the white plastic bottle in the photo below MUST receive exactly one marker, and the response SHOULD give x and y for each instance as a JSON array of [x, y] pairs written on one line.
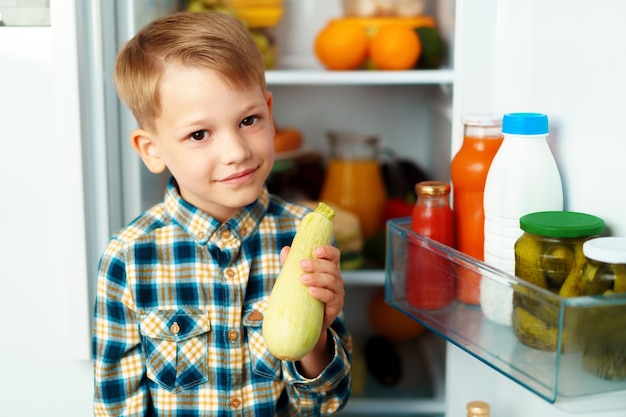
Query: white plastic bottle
[[523, 178]]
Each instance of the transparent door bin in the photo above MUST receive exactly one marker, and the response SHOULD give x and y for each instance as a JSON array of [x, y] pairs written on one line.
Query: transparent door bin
[[569, 351]]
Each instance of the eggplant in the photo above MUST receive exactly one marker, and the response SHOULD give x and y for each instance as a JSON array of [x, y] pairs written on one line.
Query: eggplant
[[383, 360]]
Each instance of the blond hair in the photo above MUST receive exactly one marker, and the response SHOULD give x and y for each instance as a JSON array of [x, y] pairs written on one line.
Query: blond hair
[[210, 40]]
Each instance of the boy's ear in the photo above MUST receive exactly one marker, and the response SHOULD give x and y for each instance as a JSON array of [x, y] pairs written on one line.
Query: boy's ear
[[268, 101], [144, 144]]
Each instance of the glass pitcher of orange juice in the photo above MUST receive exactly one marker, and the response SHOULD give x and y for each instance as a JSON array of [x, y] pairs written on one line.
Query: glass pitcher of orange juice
[[354, 180]]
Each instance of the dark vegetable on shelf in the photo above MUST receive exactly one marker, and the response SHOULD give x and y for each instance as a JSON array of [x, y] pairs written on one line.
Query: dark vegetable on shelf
[[383, 360]]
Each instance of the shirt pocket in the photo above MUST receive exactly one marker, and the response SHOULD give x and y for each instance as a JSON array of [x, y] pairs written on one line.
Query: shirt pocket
[[176, 347], [264, 364]]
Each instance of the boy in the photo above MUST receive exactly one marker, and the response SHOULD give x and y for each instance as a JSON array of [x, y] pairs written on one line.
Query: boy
[[182, 289]]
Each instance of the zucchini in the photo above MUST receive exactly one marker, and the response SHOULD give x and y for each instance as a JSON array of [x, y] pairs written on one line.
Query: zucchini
[[292, 322]]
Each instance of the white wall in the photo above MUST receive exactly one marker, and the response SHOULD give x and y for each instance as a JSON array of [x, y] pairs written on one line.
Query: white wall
[[40, 235]]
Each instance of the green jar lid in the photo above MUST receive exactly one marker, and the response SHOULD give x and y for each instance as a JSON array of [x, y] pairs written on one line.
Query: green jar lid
[[565, 224]]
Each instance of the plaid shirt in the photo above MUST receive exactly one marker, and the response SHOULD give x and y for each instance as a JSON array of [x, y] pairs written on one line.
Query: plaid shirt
[[179, 307]]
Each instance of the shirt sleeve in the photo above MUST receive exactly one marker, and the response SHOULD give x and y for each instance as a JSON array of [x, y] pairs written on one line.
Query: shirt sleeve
[[328, 393], [119, 367]]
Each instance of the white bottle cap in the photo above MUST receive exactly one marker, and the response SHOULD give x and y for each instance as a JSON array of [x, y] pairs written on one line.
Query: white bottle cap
[[610, 250]]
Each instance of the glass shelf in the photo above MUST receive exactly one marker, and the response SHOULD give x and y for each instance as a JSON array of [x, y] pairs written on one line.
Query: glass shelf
[[363, 77], [580, 363], [363, 276]]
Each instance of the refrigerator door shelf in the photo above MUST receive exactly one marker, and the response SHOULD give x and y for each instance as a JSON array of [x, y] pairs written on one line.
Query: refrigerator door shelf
[[584, 331]]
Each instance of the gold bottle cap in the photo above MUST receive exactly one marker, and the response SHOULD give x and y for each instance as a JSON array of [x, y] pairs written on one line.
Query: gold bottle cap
[[477, 409], [432, 188]]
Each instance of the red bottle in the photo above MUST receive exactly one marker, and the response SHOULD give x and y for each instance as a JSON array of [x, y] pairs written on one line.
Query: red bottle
[[430, 279]]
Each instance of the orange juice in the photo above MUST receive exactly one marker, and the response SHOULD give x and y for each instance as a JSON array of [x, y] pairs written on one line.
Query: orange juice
[[468, 172], [356, 185]]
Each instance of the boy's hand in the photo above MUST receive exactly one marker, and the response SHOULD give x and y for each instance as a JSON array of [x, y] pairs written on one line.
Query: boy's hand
[[323, 277]]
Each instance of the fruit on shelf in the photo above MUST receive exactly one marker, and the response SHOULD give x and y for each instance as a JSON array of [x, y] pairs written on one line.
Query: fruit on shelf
[[266, 44], [395, 47], [379, 43], [390, 322], [287, 139], [259, 16], [433, 48], [257, 13], [368, 8], [341, 46]]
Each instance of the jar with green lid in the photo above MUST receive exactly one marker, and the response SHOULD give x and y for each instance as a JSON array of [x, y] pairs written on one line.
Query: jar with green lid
[[549, 255], [602, 330]]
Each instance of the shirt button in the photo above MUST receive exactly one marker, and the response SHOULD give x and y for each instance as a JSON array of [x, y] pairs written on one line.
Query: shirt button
[[175, 328], [230, 273], [233, 335], [235, 402], [226, 234], [200, 235]]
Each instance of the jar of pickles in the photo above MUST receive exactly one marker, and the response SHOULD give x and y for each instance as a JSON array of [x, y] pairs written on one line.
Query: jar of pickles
[[602, 329], [605, 269], [549, 255]]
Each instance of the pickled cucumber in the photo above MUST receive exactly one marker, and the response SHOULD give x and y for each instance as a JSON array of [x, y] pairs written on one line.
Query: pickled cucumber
[[597, 279], [527, 264], [556, 262], [537, 303], [534, 332], [572, 285], [603, 335], [619, 270]]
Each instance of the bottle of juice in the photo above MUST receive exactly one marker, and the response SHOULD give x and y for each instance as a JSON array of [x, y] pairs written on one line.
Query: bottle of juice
[[482, 137], [430, 274], [354, 180]]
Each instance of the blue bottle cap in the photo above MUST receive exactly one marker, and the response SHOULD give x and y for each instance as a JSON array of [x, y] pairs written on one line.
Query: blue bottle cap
[[525, 124]]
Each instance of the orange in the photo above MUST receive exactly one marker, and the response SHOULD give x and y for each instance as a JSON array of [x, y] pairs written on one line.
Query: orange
[[391, 323], [395, 47], [341, 46]]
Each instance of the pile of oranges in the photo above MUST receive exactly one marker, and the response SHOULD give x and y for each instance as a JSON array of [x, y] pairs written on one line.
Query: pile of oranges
[[343, 45]]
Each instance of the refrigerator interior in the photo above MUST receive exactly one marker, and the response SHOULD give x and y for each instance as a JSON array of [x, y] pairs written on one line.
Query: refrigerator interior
[[503, 56]]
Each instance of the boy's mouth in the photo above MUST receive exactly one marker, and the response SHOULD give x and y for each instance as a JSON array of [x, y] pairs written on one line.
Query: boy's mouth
[[240, 177]]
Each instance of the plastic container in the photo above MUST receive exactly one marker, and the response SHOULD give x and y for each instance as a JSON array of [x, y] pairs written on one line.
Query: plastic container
[[381, 8], [430, 285], [559, 377], [523, 178], [482, 137], [549, 255], [604, 344]]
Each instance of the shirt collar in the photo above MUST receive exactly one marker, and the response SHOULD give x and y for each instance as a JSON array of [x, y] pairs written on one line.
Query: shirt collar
[[202, 226]]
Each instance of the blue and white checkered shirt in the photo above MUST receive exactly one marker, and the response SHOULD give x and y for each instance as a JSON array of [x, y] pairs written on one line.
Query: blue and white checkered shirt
[[179, 307]]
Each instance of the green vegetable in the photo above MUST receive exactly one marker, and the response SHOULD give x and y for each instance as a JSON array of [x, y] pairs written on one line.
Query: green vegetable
[[292, 322]]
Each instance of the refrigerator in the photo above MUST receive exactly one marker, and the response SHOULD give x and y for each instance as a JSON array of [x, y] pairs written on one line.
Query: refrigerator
[[560, 57]]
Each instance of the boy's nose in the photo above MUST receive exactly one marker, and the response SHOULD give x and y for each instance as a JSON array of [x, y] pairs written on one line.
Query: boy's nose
[[234, 148]]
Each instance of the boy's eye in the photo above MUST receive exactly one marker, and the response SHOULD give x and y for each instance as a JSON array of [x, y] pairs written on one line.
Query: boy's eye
[[249, 121], [198, 135]]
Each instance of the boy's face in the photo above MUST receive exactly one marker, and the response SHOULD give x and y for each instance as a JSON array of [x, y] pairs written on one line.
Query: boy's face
[[216, 141]]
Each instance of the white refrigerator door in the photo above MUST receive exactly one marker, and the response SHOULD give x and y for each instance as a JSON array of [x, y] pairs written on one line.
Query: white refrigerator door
[[565, 58]]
